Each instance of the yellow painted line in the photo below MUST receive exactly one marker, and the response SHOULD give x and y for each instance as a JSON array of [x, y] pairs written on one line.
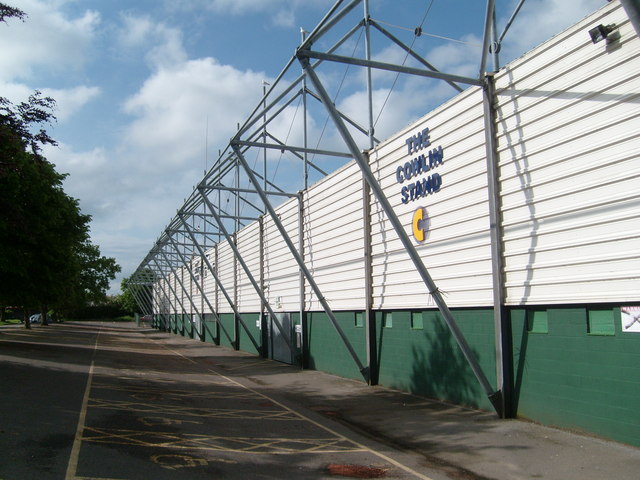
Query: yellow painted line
[[72, 466], [319, 425]]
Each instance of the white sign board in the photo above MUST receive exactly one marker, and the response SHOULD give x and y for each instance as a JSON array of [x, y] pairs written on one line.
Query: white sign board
[[630, 317]]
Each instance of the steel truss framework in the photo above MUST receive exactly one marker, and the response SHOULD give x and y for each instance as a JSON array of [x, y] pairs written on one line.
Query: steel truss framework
[[205, 220]]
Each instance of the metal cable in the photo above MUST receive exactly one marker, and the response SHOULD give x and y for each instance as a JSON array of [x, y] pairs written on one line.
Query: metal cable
[[419, 28], [326, 122], [286, 140]]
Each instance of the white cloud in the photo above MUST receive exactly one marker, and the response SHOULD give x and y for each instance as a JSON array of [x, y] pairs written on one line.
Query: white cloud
[[135, 31], [70, 101], [47, 39], [540, 20], [163, 44], [173, 106], [281, 13], [15, 92], [284, 18], [231, 7], [86, 169]]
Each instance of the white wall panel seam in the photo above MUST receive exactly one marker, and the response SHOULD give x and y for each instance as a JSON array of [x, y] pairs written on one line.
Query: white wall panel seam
[[559, 212], [606, 123], [515, 183]]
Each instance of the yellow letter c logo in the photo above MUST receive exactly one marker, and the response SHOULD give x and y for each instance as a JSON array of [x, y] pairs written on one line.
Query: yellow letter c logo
[[419, 224]]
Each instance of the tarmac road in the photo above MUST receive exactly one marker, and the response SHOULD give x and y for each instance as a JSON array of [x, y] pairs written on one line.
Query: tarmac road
[[109, 401]]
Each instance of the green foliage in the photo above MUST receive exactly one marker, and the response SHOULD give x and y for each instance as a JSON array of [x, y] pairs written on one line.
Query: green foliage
[[108, 309], [46, 257], [92, 276], [126, 299], [10, 12], [134, 291]]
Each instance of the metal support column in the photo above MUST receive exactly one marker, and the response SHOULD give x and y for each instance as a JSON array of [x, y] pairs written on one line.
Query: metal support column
[[367, 47], [301, 283], [632, 7], [305, 135], [398, 227], [175, 295], [486, 37], [263, 306], [495, 43], [222, 289], [193, 279], [312, 283], [181, 282], [245, 267], [504, 363], [369, 315]]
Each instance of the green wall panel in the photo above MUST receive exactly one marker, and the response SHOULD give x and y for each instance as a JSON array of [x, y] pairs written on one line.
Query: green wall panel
[[227, 321], [246, 343], [326, 351], [210, 329], [187, 327], [572, 368], [428, 361], [179, 325], [572, 378]]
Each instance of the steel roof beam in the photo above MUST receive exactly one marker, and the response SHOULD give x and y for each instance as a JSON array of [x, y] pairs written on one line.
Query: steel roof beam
[[247, 271], [301, 157], [314, 286], [407, 49], [488, 23], [294, 149], [388, 67], [234, 342], [398, 227]]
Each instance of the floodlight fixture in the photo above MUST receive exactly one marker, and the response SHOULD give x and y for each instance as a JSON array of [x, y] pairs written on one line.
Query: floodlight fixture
[[602, 32]]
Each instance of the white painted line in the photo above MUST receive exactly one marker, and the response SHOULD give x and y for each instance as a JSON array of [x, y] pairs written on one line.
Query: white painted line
[[72, 466], [333, 432]]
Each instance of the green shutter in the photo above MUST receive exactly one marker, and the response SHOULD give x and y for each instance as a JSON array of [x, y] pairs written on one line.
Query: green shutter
[[416, 321], [600, 322], [538, 321]]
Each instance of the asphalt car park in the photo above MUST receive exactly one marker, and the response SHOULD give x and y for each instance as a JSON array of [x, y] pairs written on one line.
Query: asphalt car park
[[109, 401], [105, 401]]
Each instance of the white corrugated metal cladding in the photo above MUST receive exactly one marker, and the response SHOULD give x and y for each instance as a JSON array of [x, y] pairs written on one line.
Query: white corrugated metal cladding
[[568, 117]]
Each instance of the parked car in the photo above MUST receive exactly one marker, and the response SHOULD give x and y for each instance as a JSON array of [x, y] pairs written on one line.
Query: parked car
[[37, 318]]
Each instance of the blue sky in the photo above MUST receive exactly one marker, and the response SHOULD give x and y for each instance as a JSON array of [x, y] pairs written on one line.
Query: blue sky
[[149, 90]]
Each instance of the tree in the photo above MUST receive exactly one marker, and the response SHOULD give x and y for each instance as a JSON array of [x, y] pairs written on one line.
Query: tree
[[126, 299], [134, 291], [94, 274], [10, 12], [30, 191], [46, 258]]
